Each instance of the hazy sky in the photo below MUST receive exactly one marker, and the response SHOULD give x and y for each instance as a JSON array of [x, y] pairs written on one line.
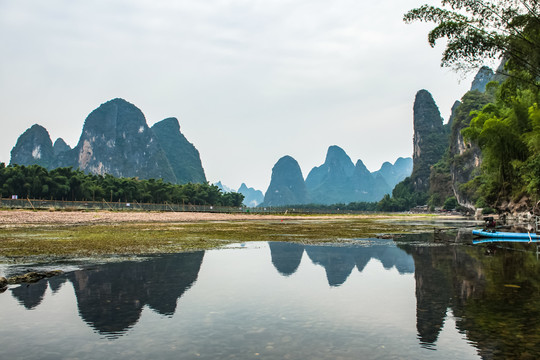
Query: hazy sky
[[249, 80]]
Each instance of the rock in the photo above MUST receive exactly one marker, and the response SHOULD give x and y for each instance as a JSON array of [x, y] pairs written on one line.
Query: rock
[[32, 276], [287, 185], [453, 113], [338, 180], [429, 141], [536, 209], [183, 157], [466, 156], [34, 146], [478, 214], [116, 140], [484, 75], [60, 147], [3, 283], [332, 182]]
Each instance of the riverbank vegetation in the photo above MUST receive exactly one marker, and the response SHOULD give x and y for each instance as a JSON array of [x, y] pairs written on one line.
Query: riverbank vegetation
[[127, 238], [494, 143], [36, 182]]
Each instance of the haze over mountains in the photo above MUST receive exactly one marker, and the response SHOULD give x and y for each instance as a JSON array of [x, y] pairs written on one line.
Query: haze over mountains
[[252, 197], [336, 181], [116, 140]]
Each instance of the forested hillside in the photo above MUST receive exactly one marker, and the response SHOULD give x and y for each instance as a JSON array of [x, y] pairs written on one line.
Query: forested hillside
[[116, 140], [493, 156]]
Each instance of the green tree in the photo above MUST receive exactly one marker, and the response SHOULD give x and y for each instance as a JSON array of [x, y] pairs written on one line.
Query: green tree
[[507, 129], [67, 184], [232, 199], [507, 133], [479, 29], [450, 203]]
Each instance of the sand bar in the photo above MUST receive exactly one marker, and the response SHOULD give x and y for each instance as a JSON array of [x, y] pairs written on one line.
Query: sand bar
[[29, 217]]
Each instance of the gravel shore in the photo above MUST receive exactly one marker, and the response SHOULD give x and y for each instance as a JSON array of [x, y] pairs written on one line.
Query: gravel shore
[[10, 218], [28, 217]]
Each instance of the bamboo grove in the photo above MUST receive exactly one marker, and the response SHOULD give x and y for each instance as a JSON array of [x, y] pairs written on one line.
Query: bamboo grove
[[65, 183]]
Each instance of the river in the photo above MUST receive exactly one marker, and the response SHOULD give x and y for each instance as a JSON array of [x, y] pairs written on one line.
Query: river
[[415, 297]]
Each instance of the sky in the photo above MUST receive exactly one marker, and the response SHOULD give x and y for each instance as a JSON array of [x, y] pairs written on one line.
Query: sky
[[250, 81]]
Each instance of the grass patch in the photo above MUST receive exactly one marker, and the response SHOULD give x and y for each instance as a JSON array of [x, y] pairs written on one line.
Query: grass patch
[[148, 238]]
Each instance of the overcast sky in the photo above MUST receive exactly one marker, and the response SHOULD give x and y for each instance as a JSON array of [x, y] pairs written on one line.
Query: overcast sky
[[249, 80]]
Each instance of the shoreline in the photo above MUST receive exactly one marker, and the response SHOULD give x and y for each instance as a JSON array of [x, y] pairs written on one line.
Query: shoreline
[[23, 217], [20, 217], [49, 234]]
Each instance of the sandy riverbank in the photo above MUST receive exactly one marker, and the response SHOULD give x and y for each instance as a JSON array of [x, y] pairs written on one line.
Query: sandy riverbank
[[28, 217]]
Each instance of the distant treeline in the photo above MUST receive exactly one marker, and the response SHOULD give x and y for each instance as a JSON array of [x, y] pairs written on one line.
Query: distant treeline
[[354, 206], [386, 204], [65, 183]]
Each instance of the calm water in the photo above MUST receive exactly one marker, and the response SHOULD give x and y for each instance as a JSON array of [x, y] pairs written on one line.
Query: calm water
[[375, 299]]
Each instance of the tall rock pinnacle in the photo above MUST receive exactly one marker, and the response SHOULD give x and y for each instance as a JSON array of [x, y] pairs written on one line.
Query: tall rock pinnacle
[[429, 141]]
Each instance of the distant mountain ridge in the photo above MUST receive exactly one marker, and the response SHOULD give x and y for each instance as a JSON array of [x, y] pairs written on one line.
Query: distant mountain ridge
[[396, 172], [252, 197], [336, 181], [116, 140]]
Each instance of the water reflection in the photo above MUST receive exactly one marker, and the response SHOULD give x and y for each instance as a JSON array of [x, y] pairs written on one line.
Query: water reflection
[[488, 294], [55, 283], [339, 262], [110, 297], [286, 257], [433, 291], [493, 293], [30, 295]]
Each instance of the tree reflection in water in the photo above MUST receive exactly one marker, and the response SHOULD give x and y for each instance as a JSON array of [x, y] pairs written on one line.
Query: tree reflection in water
[[493, 292]]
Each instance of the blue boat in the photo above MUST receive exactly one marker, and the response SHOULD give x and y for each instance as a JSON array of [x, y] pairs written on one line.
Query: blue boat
[[507, 235], [504, 240]]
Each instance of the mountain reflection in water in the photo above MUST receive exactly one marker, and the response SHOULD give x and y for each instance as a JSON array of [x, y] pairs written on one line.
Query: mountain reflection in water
[[111, 297], [490, 293], [340, 261]]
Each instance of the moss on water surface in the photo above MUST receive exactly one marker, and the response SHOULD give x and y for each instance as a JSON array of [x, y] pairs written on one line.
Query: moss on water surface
[[155, 237]]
